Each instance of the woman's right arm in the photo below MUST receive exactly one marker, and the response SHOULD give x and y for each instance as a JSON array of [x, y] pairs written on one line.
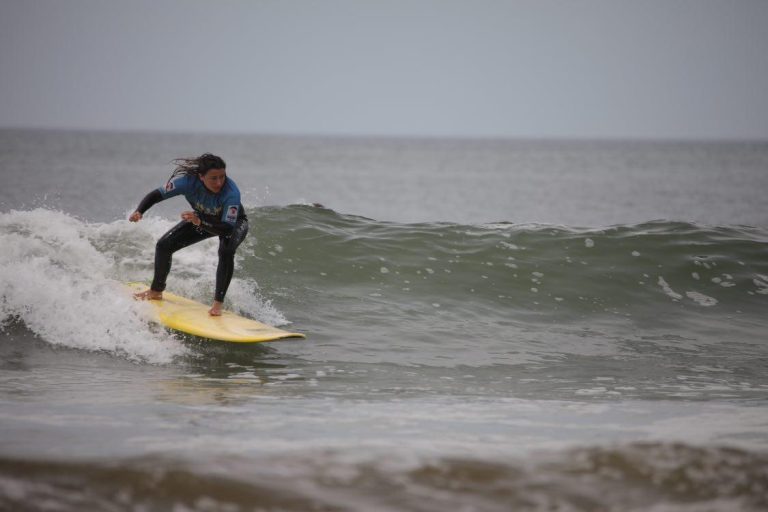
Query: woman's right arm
[[149, 200]]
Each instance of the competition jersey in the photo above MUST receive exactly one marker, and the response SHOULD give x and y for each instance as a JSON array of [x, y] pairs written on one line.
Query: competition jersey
[[224, 206]]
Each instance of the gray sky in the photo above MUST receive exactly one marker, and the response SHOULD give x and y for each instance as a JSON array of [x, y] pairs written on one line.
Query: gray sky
[[578, 68]]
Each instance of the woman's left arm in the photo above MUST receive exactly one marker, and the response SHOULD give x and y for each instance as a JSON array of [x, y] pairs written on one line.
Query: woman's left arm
[[212, 226]]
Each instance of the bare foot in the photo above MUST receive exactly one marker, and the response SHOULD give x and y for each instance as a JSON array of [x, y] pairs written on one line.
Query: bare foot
[[216, 308], [148, 295]]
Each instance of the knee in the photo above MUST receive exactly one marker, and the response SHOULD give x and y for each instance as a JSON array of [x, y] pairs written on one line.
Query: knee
[[164, 245], [227, 252]]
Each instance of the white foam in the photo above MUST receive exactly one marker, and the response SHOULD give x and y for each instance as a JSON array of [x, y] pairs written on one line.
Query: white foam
[[668, 289], [761, 282], [54, 280], [701, 299]]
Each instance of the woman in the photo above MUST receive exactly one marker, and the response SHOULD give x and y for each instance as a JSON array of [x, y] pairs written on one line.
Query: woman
[[216, 211]]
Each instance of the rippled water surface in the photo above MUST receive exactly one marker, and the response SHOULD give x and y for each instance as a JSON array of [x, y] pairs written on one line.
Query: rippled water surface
[[490, 325]]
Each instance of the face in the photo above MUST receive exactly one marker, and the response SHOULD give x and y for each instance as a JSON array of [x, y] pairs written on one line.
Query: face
[[214, 180]]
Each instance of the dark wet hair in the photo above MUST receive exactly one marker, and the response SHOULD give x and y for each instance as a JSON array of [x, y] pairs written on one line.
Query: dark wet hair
[[198, 166]]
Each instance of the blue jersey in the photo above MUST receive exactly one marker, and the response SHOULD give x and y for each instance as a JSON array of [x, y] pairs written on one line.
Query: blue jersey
[[224, 206]]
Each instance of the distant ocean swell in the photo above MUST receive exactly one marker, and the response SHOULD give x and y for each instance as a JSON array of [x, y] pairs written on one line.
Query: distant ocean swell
[[314, 265], [633, 477]]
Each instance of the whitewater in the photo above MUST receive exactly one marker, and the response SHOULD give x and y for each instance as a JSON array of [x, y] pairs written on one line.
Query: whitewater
[[491, 325]]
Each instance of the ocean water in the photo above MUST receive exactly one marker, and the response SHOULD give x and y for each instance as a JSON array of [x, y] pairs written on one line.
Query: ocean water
[[491, 325]]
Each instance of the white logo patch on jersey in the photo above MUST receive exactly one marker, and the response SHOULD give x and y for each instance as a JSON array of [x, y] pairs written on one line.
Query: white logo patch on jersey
[[232, 211], [169, 186]]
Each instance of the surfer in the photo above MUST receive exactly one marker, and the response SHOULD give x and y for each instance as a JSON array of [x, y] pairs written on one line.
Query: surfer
[[216, 211]]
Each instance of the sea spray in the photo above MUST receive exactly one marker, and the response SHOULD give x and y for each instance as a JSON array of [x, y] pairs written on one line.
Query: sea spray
[[60, 286]]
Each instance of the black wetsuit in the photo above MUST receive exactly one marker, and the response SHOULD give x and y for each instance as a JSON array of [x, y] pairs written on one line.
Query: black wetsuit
[[220, 214]]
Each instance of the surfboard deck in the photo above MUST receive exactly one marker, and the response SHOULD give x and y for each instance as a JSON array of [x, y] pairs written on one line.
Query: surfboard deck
[[191, 317]]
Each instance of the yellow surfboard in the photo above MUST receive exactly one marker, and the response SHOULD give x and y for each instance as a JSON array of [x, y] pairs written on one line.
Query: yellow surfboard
[[191, 317]]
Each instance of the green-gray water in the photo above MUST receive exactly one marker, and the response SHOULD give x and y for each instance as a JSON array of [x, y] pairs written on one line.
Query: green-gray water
[[491, 326]]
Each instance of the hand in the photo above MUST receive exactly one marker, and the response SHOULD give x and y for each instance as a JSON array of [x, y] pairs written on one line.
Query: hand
[[135, 217], [190, 217]]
